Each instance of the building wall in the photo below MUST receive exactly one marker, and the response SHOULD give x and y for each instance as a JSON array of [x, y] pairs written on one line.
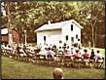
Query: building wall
[[52, 37], [66, 30]]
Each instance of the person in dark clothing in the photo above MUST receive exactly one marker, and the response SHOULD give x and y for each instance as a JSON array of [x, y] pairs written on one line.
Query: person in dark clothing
[[92, 59], [18, 49], [92, 54]]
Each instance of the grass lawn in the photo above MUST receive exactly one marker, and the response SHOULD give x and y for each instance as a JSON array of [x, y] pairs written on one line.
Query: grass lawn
[[12, 69]]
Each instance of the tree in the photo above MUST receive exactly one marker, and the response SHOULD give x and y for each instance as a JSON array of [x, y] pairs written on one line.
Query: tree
[[30, 15]]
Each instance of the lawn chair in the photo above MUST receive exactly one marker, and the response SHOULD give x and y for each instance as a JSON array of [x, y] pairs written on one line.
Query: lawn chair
[[48, 60], [77, 62], [99, 63], [13, 54], [22, 56], [3, 52], [42, 59], [37, 58], [91, 63], [9, 53], [86, 63], [58, 61], [68, 57], [68, 61]]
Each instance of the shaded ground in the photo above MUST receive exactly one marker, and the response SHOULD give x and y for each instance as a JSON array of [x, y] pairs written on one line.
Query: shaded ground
[[15, 70]]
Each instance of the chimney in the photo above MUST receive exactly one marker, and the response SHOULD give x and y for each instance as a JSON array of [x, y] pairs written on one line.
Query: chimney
[[49, 22]]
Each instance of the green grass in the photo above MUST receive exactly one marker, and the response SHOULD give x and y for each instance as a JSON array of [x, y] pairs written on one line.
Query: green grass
[[12, 69]]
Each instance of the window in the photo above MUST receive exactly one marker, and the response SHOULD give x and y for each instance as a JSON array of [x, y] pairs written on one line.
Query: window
[[66, 37], [72, 39], [60, 41], [44, 38], [71, 27], [76, 36]]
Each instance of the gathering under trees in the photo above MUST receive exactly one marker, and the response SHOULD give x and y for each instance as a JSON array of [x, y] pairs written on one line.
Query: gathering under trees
[[30, 15]]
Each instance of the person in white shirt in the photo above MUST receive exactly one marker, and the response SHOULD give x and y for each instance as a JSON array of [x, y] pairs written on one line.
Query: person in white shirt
[[43, 52], [98, 56], [98, 59], [50, 53], [22, 52]]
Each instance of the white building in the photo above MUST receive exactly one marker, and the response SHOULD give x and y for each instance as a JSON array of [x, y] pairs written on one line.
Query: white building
[[4, 31], [53, 33]]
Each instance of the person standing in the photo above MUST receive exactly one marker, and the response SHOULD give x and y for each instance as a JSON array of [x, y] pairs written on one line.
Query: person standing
[[92, 55]]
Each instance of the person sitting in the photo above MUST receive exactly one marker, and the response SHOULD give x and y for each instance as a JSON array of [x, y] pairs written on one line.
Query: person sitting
[[9, 50], [98, 59], [58, 73], [3, 48], [18, 49], [42, 54], [54, 48], [21, 52], [50, 54], [67, 53], [77, 56], [98, 56], [86, 57], [60, 50]]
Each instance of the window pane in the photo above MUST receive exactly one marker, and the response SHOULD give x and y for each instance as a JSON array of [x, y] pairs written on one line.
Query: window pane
[[71, 27], [60, 41], [66, 37], [77, 36], [44, 38], [72, 39]]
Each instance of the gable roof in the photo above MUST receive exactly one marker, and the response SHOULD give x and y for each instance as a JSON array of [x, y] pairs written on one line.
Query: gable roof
[[58, 25]]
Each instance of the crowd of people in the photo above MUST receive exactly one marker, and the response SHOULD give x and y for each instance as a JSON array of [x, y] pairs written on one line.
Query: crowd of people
[[87, 56]]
